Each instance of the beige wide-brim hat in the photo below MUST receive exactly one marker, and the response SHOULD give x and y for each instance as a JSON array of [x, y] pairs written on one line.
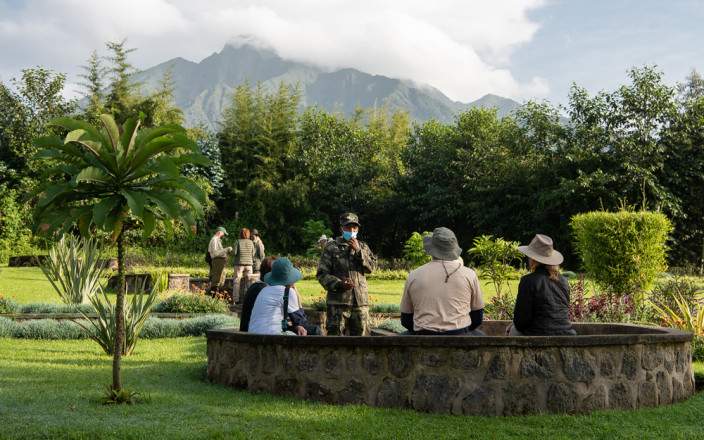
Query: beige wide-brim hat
[[541, 250]]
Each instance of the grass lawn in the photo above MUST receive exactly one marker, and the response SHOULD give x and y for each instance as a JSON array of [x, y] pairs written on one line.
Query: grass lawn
[[28, 285], [50, 389]]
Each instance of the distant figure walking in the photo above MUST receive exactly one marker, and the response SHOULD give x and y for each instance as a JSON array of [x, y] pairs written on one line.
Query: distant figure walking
[[218, 260], [259, 254], [244, 260]]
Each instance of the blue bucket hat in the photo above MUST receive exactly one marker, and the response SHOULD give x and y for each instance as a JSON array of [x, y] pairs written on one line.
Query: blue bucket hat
[[282, 273]]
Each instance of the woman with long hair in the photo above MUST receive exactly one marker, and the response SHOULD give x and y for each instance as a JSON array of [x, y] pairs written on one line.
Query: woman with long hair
[[542, 304]]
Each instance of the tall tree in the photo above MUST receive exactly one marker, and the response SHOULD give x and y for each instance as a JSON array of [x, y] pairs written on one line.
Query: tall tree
[[113, 178], [93, 85]]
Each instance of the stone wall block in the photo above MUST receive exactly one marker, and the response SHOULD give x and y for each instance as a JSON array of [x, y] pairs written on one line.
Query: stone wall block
[[354, 392], [481, 400], [400, 362], [392, 393], [318, 391], [577, 365], [652, 357], [521, 398], [595, 400], [622, 395], [647, 394], [434, 393], [498, 366], [538, 364], [630, 364], [664, 384], [562, 398], [467, 359]]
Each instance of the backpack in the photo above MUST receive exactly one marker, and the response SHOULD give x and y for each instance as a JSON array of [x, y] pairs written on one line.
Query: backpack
[[208, 258]]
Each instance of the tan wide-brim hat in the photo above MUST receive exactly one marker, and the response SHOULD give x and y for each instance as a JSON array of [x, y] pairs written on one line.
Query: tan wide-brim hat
[[540, 249]]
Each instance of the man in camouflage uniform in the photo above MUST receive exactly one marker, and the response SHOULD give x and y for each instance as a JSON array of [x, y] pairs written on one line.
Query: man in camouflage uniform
[[341, 271]]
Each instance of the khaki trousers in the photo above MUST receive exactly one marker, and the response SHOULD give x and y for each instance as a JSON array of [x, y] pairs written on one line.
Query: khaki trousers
[[241, 282]]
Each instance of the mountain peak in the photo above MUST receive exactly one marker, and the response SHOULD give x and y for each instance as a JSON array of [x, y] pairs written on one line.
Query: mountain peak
[[202, 90]]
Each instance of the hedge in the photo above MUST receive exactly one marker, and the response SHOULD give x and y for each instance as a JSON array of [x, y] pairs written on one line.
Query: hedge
[[153, 328], [622, 251]]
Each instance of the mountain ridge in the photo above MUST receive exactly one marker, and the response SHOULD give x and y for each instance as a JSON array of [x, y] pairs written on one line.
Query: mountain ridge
[[203, 89]]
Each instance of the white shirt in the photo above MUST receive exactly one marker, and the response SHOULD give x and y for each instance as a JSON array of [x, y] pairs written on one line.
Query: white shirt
[[215, 248], [267, 313]]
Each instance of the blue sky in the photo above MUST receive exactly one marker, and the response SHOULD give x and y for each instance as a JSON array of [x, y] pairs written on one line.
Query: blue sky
[[516, 48], [594, 43]]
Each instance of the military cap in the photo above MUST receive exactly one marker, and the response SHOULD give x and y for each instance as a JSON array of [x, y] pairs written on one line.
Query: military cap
[[349, 218]]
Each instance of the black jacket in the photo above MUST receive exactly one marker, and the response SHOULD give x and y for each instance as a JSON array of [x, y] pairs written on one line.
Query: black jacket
[[542, 305]]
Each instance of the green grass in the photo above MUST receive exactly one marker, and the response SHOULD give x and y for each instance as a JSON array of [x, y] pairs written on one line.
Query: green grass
[[28, 285], [50, 389]]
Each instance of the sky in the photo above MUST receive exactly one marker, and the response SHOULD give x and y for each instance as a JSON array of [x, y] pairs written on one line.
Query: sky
[[523, 49]]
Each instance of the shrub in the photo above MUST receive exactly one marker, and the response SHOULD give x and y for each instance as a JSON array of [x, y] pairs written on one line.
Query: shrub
[[385, 308], [153, 327], [312, 230], [103, 330], [666, 293], [494, 258], [173, 328], [622, 251], [414, 251], [55, 308], [74, 269], [392, 325], [500, 308], [46, 329], [191, 303], [8, 306]]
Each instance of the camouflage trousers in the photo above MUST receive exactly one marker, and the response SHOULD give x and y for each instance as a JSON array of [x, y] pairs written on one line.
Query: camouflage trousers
[[347, 320]]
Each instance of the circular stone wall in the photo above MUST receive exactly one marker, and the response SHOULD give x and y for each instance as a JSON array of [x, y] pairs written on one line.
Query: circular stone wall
[[605, 366]]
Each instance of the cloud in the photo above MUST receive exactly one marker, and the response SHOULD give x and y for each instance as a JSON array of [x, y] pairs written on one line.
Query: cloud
[[461, 47]]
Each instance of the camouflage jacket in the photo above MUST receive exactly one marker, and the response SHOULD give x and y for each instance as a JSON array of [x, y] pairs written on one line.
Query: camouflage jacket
[[339, 261]]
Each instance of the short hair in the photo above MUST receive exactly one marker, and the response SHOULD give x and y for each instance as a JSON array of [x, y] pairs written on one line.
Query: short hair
[[265, 268], [244, 233]]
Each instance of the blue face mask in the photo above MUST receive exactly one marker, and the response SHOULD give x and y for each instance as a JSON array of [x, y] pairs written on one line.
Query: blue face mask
[[347, 235]]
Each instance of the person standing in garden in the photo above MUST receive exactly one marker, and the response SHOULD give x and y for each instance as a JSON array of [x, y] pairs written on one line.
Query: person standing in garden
[[342, 271], [244, 260], [258, 254], [218, 260]]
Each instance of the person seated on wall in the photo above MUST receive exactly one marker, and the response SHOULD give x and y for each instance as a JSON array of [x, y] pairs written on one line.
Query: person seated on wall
[[253, 292], [543, 299], [280, 294], [442, 297]]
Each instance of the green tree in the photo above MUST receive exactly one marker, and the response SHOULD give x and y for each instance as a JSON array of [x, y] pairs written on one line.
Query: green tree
[[26, 107], [114, 178], [93, 85]]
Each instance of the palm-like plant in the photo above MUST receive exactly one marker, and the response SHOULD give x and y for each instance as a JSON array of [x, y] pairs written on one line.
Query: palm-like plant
[[108, 177]]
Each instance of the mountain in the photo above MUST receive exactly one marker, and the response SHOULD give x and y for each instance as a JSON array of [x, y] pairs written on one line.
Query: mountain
[[202, 90]]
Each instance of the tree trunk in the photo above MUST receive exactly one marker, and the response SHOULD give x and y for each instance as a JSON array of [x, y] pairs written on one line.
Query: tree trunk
[[119, 315]]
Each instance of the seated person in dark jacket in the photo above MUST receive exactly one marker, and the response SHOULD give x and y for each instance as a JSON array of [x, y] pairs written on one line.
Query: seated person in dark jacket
[[252, 293], [442, 297], [542, 304]]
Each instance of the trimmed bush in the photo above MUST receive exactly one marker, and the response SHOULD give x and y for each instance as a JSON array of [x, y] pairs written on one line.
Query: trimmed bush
[[55, 308], [191, 303], [622, 251], [385, 308], [414, 251], [153, 327]]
